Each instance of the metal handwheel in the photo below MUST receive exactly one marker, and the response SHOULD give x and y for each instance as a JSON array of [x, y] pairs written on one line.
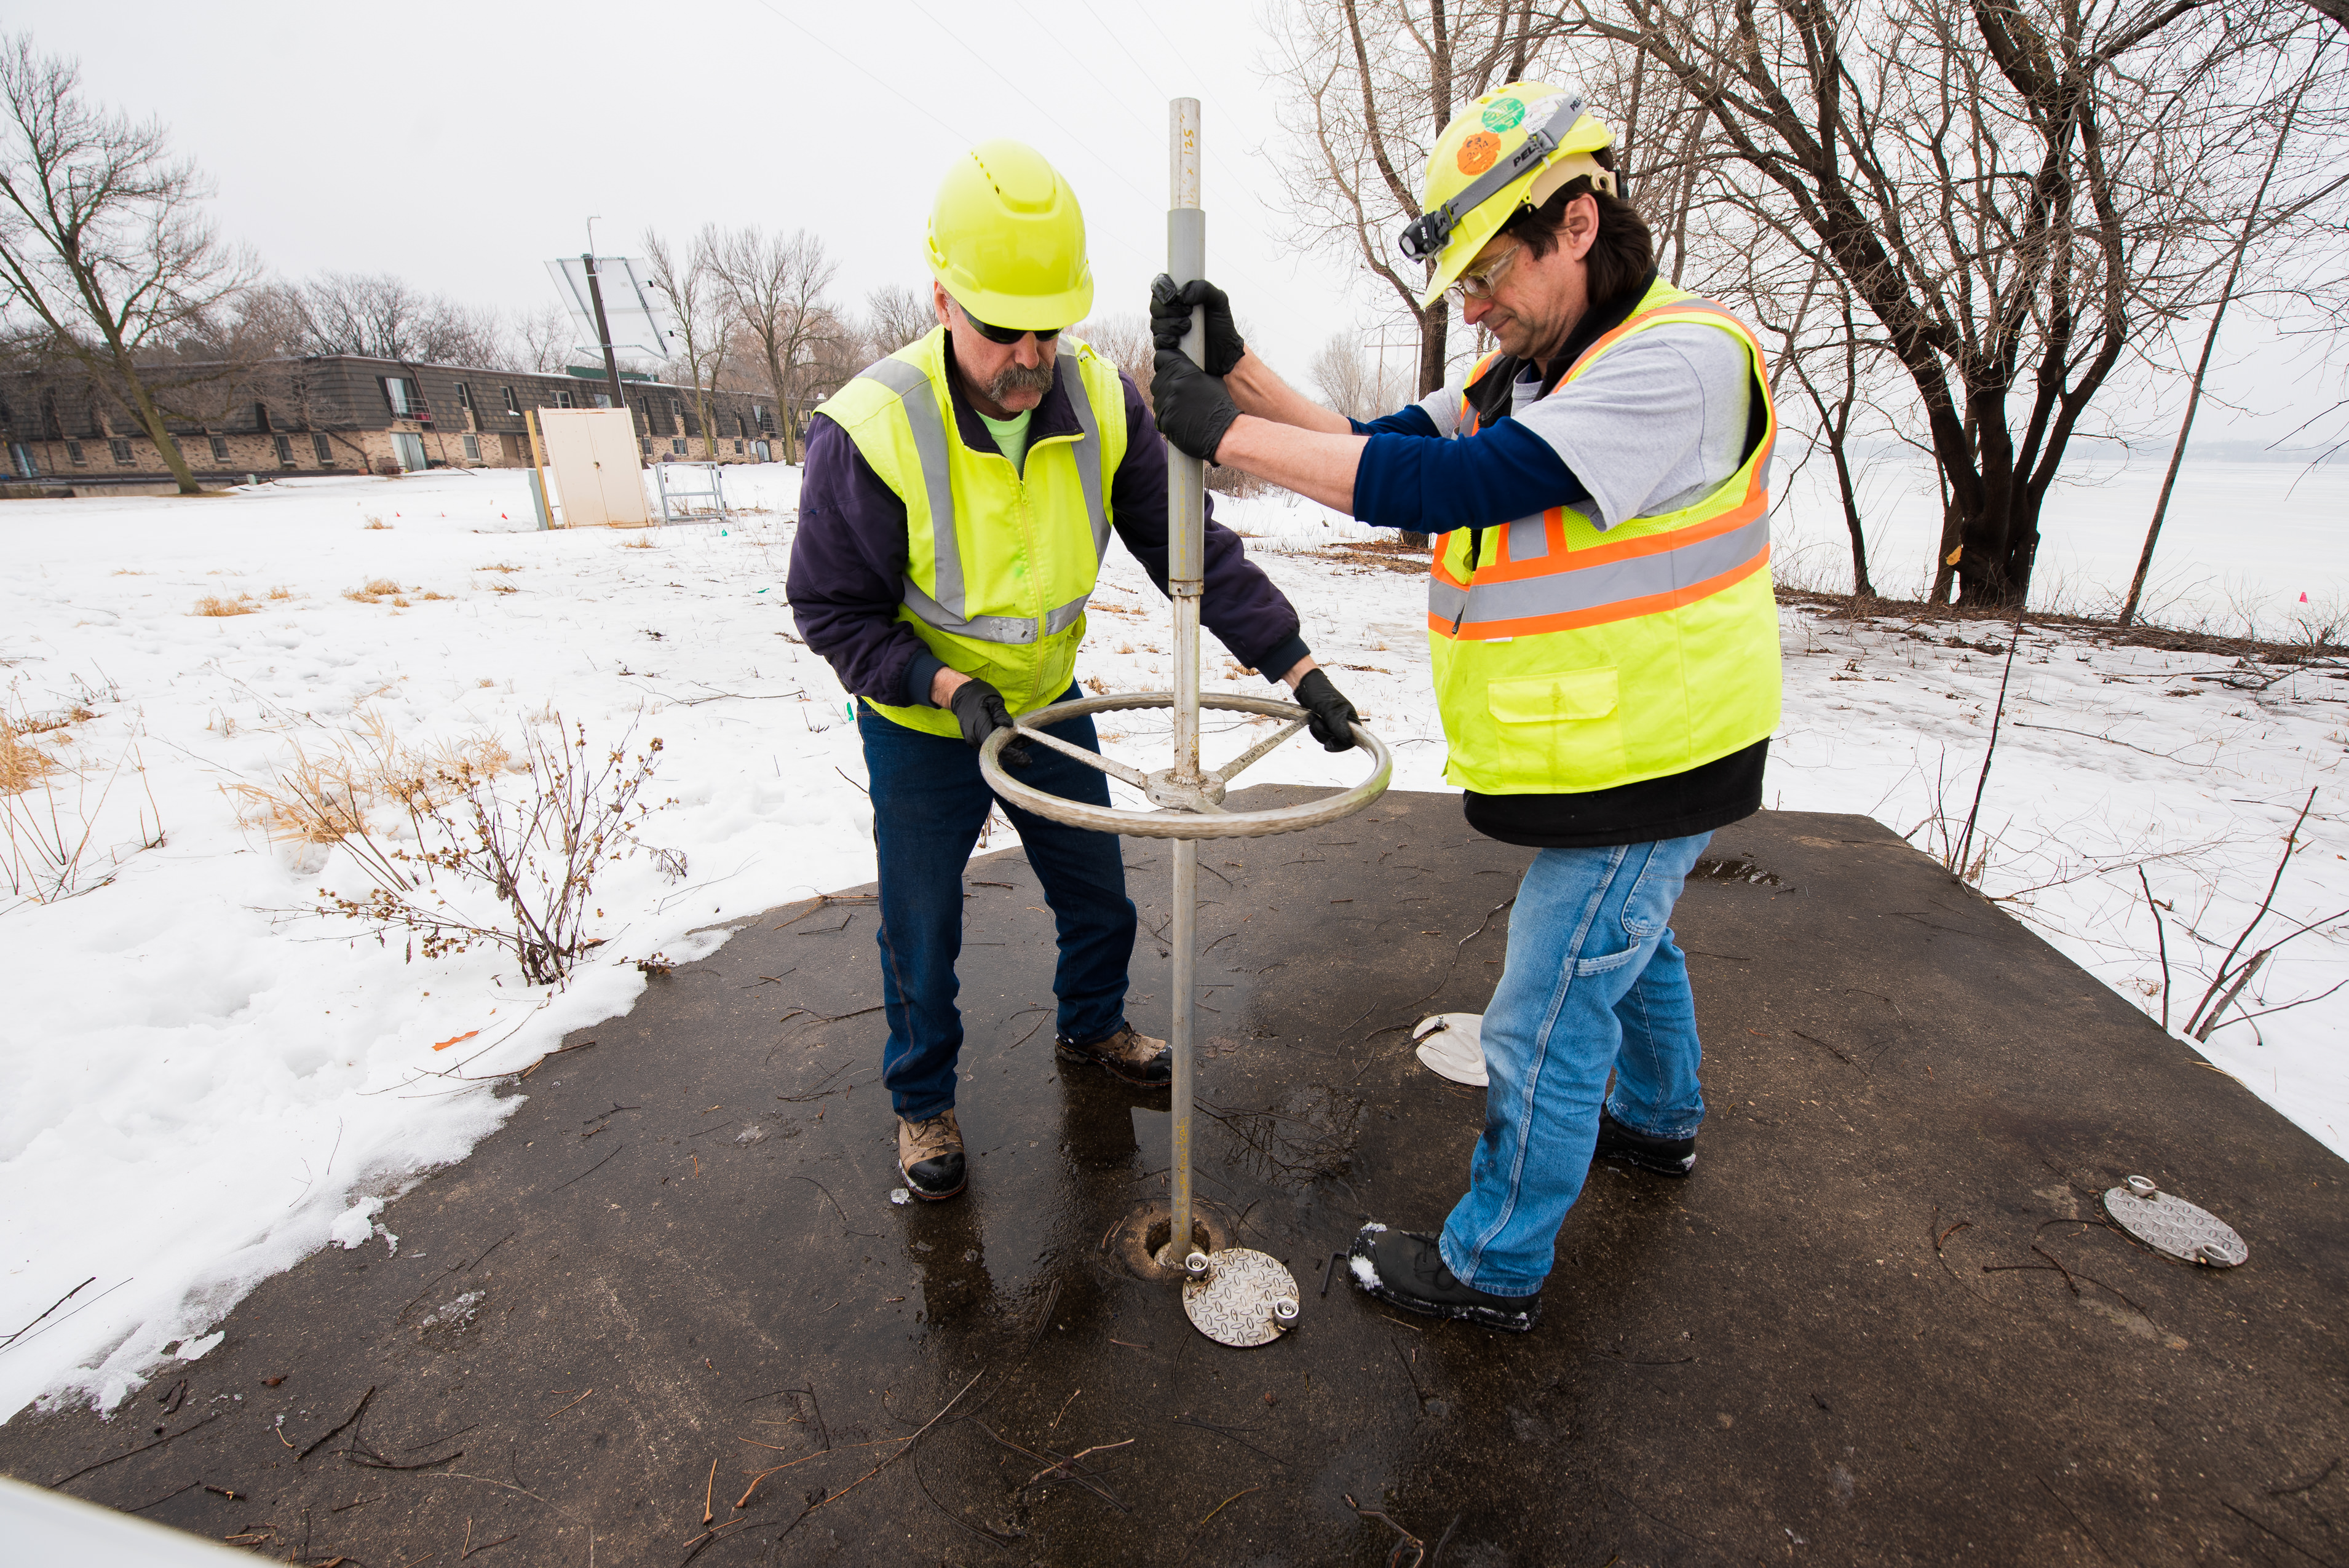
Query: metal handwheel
[[1189, 807]]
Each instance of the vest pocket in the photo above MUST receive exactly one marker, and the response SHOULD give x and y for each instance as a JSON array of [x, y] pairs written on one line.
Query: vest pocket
[[1557, 733]]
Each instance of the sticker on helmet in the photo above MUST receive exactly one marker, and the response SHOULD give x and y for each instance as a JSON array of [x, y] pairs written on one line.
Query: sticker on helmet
[[1477, 153], [1505, 114]]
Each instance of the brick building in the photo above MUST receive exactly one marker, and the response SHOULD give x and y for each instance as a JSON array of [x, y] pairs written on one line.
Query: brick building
[[342, 414]]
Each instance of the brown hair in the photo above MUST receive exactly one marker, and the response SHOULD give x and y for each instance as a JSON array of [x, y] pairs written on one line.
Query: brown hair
[[1622, 255]]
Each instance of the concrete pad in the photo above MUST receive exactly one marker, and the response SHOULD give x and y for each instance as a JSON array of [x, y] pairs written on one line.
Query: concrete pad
[[1882, 1321]]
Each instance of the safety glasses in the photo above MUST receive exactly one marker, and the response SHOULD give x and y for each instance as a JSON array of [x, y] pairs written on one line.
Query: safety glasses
[[1479, 283], [1008, 335]]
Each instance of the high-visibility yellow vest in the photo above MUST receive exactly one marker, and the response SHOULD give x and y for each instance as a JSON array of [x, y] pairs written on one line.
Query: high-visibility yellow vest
[[1000, 561], [1567, 659]]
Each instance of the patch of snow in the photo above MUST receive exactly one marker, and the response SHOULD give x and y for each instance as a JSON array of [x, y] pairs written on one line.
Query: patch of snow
[[356, 1223]]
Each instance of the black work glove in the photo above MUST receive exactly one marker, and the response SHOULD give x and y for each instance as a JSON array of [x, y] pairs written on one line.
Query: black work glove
[[979, 708], [1170, 318], [1191, 407], [1333, 715]]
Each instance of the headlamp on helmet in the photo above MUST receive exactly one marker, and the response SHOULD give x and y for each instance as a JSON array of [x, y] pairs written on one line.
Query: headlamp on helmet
[[1515, 147]]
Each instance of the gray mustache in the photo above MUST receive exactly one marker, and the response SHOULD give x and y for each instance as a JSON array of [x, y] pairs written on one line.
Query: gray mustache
[[1018, 378]]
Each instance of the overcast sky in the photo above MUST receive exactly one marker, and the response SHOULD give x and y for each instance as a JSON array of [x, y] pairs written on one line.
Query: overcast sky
[[461, 146]]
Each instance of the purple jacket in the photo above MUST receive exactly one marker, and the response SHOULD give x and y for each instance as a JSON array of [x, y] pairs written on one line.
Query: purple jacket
[[848, 560]]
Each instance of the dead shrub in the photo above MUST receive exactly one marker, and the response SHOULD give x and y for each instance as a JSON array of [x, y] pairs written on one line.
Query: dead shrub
[[281, 593], [374, 593], [645, 543], [214, 605], [499, 566], [519, 852], [375, 523]]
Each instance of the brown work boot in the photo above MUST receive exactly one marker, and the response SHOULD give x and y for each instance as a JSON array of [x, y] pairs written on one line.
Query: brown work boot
[[1135, 1058], [929, 1156]]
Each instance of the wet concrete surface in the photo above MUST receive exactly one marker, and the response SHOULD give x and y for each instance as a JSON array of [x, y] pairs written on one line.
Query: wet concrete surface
[[1881, 1323]]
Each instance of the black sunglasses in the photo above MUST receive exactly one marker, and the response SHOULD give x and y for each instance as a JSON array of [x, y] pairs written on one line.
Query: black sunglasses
[[1007, 336]]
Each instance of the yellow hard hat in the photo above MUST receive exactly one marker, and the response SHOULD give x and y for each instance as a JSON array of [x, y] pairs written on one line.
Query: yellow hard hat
[[1007, 240], [1512, 148]]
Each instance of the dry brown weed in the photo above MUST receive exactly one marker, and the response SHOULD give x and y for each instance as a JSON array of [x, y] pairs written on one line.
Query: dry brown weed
[[214, 605], [21, 762], [376, 591], [280, 592], [325, 796], [376, 523]]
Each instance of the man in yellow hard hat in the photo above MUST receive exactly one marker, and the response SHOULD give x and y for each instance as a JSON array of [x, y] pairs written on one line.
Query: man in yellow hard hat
[[1601, 633], [957, 503]]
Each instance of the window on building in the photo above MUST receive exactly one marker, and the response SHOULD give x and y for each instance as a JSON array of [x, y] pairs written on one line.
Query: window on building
[[464, 396], [473, 448], [676, 445], [644, 445], [73, 454], [285, 452], [324, 448], [511, 407], [261, 417], [563, 398], [603, 400], [122, 450], [737, 449], [220, 448], [400, 392], [766, 421]]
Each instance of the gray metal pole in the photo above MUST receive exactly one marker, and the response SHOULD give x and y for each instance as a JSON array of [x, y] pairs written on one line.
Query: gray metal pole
[[1186, 258], [604, 333]]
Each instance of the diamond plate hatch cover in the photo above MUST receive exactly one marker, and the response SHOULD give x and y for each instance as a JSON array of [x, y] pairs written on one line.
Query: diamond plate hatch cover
[[2172, 1226], [1247, 1299]]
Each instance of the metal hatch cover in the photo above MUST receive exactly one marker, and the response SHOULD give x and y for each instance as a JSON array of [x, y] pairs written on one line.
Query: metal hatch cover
[[1245, 1298], [2174, 1227]]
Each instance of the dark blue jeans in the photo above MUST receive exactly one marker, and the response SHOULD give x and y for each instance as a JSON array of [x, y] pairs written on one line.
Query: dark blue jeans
[[929, 804]]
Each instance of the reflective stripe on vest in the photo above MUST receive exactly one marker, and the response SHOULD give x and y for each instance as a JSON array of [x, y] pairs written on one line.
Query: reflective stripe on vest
[[944, 611], [1539, 585]]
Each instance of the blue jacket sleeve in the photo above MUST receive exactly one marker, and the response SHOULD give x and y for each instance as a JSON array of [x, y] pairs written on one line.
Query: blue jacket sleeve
[[1411, 421], [1431, 486], [1248, 614], [848, 572]]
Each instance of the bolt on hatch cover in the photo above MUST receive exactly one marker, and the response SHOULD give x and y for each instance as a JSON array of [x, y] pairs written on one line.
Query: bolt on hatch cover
[[1245, 1299], [2174, 1227]]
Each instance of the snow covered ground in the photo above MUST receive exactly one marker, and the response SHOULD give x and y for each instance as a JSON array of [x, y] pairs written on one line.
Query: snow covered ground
[[206, 1079]]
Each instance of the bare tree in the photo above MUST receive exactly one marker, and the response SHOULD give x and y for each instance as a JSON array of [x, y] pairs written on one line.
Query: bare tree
[[101, 242], [773, 286], [380, 316], [895, 315], [696, 301], [542, 340], [2255, 215], [1377, 80], [2010, 188]]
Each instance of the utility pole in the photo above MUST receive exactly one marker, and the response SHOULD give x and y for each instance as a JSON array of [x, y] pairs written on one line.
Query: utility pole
[[604, 332]]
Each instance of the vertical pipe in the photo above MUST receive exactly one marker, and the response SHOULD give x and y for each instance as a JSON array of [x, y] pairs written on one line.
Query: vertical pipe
[[1186, 501]]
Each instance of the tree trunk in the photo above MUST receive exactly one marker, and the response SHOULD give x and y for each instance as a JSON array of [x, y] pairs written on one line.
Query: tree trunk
[[151, 419], [1859, 582]]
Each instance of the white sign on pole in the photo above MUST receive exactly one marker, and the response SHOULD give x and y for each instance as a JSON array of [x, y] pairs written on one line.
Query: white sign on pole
[[591, 454], [640, 322]]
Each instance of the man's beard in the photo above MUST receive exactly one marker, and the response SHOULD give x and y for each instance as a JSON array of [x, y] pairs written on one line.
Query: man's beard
[[1014, 378]]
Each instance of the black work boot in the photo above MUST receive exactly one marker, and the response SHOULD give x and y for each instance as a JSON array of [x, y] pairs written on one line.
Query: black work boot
[[1662, 1155], [1135, 1058], [1405, 1269], [929, 1156]]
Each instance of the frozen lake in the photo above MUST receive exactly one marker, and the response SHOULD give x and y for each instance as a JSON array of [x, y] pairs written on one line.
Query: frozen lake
[[2242, 539]]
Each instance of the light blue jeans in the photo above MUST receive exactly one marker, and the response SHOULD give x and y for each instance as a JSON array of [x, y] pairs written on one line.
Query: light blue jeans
[[1593, 983]]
